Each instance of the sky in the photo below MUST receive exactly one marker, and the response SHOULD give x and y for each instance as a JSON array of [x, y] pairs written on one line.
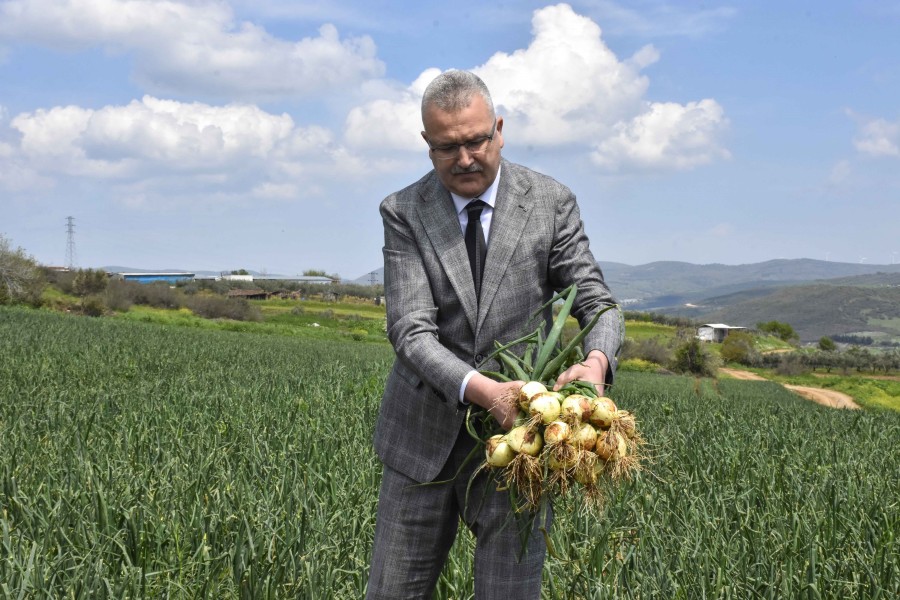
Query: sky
[[263, 134]]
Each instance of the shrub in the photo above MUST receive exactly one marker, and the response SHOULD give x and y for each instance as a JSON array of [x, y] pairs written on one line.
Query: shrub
[[359, 334], [655, 350], [89, 281], [691, 357], [791, 364], [157, 295], [217, 307], [93, 306], [118, 295], [20, 278], [739, 347]]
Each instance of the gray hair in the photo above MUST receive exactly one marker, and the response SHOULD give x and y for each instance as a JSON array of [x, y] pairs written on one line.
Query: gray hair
[[453, 90]]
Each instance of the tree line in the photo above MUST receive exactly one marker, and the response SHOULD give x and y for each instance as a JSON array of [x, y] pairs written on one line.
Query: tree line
[[23, 281]]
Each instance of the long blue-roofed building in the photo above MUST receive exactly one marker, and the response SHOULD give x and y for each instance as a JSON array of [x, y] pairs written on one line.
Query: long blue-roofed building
[[165, 277]]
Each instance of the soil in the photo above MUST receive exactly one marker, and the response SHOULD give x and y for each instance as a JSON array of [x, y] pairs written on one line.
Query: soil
[[738, 374], [821, 396]]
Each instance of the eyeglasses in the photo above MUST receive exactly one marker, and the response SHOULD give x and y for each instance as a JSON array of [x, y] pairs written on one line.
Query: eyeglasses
[[476, 146]]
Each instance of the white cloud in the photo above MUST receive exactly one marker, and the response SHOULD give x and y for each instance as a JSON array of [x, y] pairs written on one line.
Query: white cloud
[[150, 147], [668, 135], [276, 191], [195, 47], [175, 135], [392, 123], [566, 88], [878, 137]]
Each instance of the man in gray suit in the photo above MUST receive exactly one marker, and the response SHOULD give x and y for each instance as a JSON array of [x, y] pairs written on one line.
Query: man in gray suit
[[446, 305]]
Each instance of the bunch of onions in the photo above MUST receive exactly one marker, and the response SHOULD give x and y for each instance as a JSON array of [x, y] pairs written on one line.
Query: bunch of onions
[[556, 444], [571, 439]]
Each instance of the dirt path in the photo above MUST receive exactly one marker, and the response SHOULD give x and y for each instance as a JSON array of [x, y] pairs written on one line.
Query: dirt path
[[821, 396], [825, 397], [738, 374]]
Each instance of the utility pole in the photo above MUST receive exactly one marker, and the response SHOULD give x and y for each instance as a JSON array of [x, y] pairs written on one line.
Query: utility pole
[[70, 243]]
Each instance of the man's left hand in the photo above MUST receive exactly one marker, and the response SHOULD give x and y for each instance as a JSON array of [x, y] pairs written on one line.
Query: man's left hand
[[592, 369]]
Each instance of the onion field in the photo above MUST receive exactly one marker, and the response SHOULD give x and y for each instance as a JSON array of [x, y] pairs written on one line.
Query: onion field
[[143, 461]]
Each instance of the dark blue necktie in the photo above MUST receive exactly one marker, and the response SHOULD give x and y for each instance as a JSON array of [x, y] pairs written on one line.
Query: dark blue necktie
[[475, 243]]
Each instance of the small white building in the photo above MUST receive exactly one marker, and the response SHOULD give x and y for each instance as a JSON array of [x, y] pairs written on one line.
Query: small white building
[[715, 332]]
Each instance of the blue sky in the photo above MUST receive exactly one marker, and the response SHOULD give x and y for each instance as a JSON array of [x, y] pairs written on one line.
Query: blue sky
[[263, 134]]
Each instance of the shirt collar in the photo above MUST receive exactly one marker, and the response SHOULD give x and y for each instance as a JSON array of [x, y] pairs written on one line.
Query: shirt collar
[[489, 196]]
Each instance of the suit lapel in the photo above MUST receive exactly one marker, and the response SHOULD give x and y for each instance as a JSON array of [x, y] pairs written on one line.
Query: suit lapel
[[511, 213], [438, 216]]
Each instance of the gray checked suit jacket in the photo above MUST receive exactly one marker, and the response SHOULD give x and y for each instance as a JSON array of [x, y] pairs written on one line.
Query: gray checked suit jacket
[[439, 330]]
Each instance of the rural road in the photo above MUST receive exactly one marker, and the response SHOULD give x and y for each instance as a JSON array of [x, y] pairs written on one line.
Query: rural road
[[821, 396]]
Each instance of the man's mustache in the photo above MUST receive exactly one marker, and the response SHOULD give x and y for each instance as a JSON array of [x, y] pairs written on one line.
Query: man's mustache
[[473, 168]]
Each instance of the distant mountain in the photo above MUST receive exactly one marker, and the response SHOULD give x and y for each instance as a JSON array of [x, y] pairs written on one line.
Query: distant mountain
[[671, 283], [375, 277], [815, 297], [661, 285]]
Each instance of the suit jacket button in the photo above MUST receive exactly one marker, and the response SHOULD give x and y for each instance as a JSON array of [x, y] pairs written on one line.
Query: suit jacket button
[[479, 358]]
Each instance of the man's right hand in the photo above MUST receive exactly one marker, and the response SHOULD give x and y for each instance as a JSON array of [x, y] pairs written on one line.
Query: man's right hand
[[499, 398]]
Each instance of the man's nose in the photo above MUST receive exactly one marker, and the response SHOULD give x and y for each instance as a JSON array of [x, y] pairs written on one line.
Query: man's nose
[[465, 158]]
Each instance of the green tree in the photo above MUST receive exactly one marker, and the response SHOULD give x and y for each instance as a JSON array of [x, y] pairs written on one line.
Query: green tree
[[321, 273], [20, 277], [782, 331], [739, 347], [89, 281], [826, 344]]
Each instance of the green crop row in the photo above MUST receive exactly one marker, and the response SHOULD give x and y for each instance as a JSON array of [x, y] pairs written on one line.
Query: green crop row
[[144, 461]]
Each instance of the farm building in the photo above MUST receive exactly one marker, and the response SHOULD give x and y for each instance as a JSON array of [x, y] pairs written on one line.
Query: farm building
[[715, 332], [171, 278], [320, 279], [280, 278], [249, 294]]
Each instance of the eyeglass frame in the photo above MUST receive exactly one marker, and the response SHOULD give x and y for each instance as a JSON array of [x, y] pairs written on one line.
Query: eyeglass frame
[[480, 141]]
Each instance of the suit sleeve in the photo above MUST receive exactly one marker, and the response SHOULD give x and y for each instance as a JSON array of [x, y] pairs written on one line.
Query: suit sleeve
[[571, 261], [412, 310]]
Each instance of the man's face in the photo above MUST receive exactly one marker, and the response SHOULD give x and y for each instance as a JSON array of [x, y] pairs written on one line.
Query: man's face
[[468, 174]]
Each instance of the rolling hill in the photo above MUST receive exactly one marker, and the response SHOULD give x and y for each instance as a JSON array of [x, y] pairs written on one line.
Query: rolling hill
[[815, 297], [661, 285], [867, 305]]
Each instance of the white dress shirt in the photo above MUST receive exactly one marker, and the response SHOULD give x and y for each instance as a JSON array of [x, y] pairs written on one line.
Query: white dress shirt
[[489, 197]]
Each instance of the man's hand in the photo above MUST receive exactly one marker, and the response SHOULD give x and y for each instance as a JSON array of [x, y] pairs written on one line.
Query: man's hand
[[499, 398], [592, 369]]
